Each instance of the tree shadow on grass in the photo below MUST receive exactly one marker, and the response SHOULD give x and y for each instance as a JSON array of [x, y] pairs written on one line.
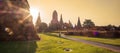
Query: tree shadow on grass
[[55, 35], [18, 47], [50, 34]]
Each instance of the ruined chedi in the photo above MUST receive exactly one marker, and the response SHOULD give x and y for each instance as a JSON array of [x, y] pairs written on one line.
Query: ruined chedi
[[16, 21]]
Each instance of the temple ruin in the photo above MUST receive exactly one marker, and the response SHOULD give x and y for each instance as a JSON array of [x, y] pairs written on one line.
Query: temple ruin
[[16, 21]]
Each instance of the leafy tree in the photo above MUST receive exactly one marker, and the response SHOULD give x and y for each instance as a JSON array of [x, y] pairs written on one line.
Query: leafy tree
[[88, 23]]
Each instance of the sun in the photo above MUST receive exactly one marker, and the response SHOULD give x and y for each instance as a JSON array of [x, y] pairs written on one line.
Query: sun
[[34, 12]]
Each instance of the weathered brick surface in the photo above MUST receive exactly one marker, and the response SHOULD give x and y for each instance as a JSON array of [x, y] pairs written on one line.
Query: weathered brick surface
[[15, 16]]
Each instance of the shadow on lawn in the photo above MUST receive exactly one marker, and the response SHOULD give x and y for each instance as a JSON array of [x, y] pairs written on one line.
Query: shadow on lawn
[[50, 34], [18, 47], [55, 35]]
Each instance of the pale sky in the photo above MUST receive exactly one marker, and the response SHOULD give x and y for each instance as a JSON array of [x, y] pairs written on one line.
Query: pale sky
[[101, 12]]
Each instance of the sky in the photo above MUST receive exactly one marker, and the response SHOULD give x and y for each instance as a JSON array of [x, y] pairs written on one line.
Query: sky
[[101, 12]]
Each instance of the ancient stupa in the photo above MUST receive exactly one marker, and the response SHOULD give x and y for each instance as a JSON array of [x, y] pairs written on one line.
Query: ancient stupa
[[16, 21]]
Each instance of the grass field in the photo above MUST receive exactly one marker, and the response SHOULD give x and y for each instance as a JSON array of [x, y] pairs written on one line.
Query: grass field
[[49, 44], [111, 41]]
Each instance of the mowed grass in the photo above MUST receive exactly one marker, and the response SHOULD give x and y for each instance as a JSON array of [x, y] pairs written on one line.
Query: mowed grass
[[49, 44], [111, 41], [18, 47], [52, 44]]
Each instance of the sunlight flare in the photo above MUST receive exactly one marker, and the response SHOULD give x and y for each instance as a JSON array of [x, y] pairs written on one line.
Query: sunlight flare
[[34, 12]]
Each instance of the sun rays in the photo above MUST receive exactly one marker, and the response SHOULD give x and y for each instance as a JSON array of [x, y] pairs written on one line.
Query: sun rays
[[34, 12]]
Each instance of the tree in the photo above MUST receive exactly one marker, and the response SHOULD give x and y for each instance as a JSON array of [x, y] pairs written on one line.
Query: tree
[[119, 28], [88, 23], [111, 27]]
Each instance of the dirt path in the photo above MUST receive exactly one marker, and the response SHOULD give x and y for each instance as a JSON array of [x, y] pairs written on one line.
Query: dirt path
[[106, 46]]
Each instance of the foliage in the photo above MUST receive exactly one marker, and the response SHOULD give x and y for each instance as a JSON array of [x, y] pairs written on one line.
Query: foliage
[[88, 23]]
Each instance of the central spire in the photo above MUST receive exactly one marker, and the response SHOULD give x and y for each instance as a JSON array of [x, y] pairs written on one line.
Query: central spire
[[54, 17]]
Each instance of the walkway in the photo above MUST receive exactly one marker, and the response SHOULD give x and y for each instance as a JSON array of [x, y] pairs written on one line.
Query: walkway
[[106, 46]]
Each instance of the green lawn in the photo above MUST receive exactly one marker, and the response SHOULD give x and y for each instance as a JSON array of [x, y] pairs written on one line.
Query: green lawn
[[114, 41], [49, 44]]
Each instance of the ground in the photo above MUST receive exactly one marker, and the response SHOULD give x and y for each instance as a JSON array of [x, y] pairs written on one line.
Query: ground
[[49, 44], [110, 41]]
